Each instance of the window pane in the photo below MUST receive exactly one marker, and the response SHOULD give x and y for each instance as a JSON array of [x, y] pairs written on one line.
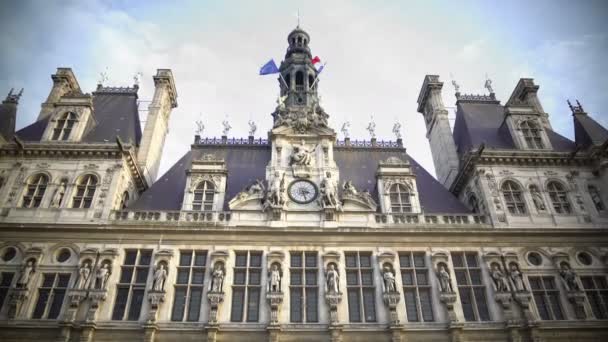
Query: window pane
[[541, 306], [200, 258], [239, 277], [419, 259], [296, 260], [365, 260], [426, 305], [311, 260], [467, 304], [55, 309], [184, 258], [43, 297], [295, 296], [366, 278], [194, 307], [482, 306], [311, 278], [145, 257], [410, 305], [351, 260], [352, 278], [457, 260], [236, 312], [354, 309], [311, 305], [369, 305], [49, 279], [404, 260], [461, 277], [296, 277], [256, 260], [254, 277], [198, 276], [555, 306], [121, 303], [130, 257], [126, 274], [179, 303], [407, 277], [421, 277], [182, 275], [141, 275], [137, 298], [63, 280], [471, 259], [253, 305], [475, 277], [241, 260]]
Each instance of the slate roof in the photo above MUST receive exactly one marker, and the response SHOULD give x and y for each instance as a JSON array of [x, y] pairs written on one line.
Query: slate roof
[[116, 114], [588, 132], [478, 122], [247, 163]]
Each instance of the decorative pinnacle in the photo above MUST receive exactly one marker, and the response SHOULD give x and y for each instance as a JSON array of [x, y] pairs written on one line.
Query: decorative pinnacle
[[13, 98], [578, 109]]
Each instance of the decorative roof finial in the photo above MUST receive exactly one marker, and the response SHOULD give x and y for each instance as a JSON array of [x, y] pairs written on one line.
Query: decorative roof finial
[[371, 128], [227, 127], [200, 126], [137, 77], [13, 98], [298, 18], [252, 128], [578, 109], [103, 77], [397, 130], [345, 128], [488, 85]]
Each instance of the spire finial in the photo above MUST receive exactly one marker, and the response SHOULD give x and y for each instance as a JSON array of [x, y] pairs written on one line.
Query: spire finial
[[298, 18], [578, 109], [103, 76], [13, 97]]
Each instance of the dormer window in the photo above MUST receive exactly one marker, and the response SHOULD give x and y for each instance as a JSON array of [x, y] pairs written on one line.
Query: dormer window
[[203, 196], [532, 135], [85, 190], [64, 126], [400, 197], [34, 191], [559, 197]]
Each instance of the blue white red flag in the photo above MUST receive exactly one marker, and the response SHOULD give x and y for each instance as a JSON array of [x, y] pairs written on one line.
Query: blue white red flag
[[316, 62], [269, 68]]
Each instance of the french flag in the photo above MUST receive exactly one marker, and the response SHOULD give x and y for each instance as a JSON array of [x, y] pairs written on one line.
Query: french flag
[[316, 62]]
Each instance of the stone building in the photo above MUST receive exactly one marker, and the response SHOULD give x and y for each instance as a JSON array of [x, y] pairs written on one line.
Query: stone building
[[301, 236]]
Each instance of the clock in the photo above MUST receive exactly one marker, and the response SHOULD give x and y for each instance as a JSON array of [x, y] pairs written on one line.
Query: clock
[[302, 191]]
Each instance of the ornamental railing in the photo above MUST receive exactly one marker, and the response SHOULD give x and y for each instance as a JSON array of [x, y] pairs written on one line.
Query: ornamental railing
[[172, 216]]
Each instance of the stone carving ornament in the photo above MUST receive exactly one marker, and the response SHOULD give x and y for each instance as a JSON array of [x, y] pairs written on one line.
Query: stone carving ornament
[[397, 130], [301, 156], [252, 128], [276, 194], [217, 279], [445, 282], [27, 270], [332, 280], [371, 128], [274, 279], [537, 197], [389, 279], [160, 276], [329, 192], [500, 278]]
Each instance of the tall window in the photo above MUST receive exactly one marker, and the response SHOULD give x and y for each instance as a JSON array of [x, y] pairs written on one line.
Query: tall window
[[596, 198], [360, 287], [246, 288], [132, 284], [64, 126], [532, 135], [400, 199], [34, 191], [474, 204], [416, 286], [203, 196], [50, 295], [189, 285], [559, 198], [470, 286], [514, 199], [546, 297], [303, 287], [596, 289], [5, 284], [85, 190]]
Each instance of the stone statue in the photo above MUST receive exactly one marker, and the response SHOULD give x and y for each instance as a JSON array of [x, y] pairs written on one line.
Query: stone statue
[[329, 192], [160, 276], [349, 189], [227, 127], [84, 275], [200, 127], [488, 85], [389, 280], [568, 277], [217, 279], [517, 278], [397, 130], [537, 197], [274, 279], [456, 86], [58, 196], [101, 278], [367, 196], [445, 282], [281, 102], [371, 128], [597, 200], [301, 156], [345, 128], [332, 280], [276, 193], [252, 128], [500, 279], [256, 188], [26, 272]]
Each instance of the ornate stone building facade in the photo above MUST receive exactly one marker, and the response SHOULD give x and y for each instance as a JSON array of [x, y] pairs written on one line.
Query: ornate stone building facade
[[301, 236]]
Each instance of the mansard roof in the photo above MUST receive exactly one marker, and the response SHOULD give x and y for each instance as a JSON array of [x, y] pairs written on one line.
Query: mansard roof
[[116, 114], [480, 122], [246, 163], [588, 132]]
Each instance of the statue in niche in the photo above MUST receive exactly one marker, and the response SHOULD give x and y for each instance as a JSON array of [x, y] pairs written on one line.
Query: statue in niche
[[500, 279], [332, 280], [568, 277], [84, 276], [101, 277], [160, 276], [516, 277], [389, 280], [276, 193], [217, 279], [58, 195], [301, 156], [445, 283], [349, 189], [26, 273], [274, 279], [537, 198], [329, 192]]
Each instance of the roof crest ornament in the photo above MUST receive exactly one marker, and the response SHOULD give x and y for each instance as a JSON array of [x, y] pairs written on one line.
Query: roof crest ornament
[[252, 128], [488, 85], [371, 128], [137, 78], [13, 98], [103, 76], [200, 126], [578, 109], [397, 130], [345, 129], [227, 126]]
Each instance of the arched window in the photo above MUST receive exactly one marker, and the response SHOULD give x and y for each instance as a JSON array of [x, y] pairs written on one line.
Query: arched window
[[311, 80], [203, 196], [596, 198], [514, 199], [34, 191], [85, 190], [64, 126], [124, 200], [531, 134], [299, 78], [474, 203], [400, 199], [559, 198]]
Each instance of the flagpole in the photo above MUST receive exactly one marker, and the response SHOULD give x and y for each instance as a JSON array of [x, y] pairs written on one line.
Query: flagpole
[[316, 78], [282, 79]]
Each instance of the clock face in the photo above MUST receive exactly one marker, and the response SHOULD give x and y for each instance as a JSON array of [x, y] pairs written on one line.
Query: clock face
[[302, 191]]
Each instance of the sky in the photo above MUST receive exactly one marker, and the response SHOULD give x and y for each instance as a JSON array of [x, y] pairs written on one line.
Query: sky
[[377, 55]]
